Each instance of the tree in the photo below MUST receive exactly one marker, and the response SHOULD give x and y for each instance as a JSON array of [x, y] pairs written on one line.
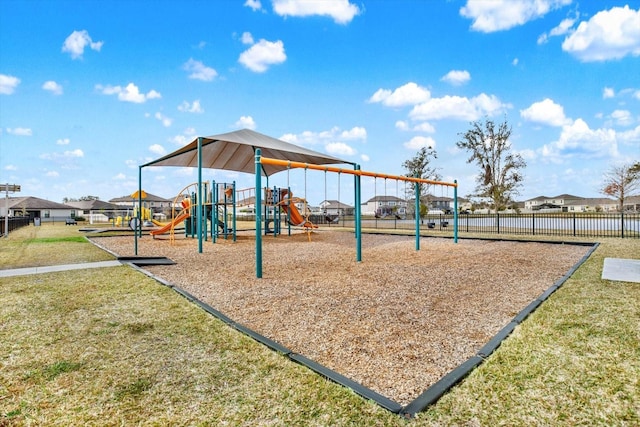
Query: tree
[[500, 174], [419, 166], [621, 182]]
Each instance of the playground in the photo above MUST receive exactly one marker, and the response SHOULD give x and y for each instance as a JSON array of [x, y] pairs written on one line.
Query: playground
[[395, 322]]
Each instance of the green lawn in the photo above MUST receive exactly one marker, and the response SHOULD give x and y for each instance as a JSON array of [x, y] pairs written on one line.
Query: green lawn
[[113, 347]]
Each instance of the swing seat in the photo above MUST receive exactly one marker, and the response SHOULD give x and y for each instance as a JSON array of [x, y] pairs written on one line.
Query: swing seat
[[332, 219], [444, 224], [431, 224]]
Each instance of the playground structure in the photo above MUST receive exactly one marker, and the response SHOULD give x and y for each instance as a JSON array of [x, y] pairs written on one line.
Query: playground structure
[[357, 173], [242, 151], [220, 206]]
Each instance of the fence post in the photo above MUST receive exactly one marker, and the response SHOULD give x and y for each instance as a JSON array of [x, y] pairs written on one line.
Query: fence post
[[498, 221], [622, 224], [574, 224]]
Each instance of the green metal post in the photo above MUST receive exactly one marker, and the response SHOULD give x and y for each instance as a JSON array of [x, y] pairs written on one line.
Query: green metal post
[[417, 216], [214, 211], [258, 216], [358, 214], [233, 210], [199, 205], [135, 232], [455, 212]]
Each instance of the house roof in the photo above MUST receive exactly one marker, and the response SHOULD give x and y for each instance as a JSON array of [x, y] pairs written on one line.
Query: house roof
[[31, 203], [150, 198], [384, 199], [591, 201], [333, 204], [93, 205], [236, 151]]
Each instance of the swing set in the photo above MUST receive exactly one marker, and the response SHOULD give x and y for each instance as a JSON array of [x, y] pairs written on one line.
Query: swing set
[[357, 173]]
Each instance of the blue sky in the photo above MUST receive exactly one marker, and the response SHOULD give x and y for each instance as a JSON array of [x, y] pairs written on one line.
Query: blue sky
[[91, 90]]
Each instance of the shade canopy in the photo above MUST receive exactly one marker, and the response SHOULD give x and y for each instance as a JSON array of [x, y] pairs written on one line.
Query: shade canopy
[[236, 151]]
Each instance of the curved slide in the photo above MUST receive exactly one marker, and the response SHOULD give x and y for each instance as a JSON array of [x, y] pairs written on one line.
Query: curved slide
[[177, 220], [296, 217]]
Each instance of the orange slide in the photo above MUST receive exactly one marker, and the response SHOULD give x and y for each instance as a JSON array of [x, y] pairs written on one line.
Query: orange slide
[[296, 217], [184, 214]]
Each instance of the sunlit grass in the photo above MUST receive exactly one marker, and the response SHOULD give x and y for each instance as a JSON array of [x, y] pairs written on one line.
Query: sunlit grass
[[49, 244], [112, 346]]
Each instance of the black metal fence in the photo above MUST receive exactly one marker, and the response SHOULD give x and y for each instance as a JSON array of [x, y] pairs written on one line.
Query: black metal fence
[[13, 223], [624, 225]]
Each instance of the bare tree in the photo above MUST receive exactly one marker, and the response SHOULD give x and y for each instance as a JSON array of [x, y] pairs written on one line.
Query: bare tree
[[621, 182], [500, 169], [419, 166]]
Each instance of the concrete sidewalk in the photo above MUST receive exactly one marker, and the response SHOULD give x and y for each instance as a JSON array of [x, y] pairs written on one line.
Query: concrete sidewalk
[[621, 270], [54, 268]]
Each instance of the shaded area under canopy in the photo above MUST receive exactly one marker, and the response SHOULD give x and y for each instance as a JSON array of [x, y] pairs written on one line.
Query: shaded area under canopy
[[235, 151]]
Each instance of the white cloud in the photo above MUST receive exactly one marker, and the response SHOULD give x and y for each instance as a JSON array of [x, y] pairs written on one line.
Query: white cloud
[[622, 117], [577, 140], [408, 94], [333, 140], [157, 149], [417, 142], [402, 125], [130, 93], [166, 121], [341, 11], [77, 41], [186, 137], [356, 132], [546, 112], [20, 131], [631, 136], [340, 148], [262, 54], [11, 168], [497, 15], [246, 38], [194, 107], [66, 160], [253, 4], [364, 157], [515, 61], [8, 84], [563, 28], [52, 174], [608, 92], [424, 127], [246, 122], [456, 77], [198, 71], [52, 87], [458, 108], [609, 34], [63, 141], [120, 177]]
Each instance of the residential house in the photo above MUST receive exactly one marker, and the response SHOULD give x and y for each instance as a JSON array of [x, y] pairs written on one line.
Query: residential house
[[388, 204], [157, 204], [97, 210], [570, 203], [34, 207], [335, 207]]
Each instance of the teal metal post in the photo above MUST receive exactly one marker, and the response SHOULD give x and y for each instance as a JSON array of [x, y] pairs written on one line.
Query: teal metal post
[[358, 218], [214, 211], [455, 212], [135, 232], [200, 205], [233, 211], [417, 216], [258, 215]]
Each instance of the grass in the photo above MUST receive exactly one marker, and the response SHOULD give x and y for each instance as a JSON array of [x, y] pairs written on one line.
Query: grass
[[112, 346], [49, 244]]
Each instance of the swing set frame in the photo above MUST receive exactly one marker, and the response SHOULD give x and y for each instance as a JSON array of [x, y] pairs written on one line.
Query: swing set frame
[[357, 173]]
